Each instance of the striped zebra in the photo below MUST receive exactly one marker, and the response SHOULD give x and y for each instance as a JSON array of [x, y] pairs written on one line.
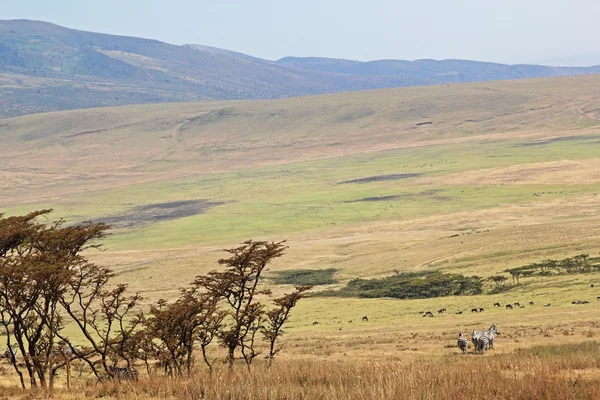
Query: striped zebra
[[462, 343], [476, 339], [10, 354], [123, 374], [484, 340], [491, 333]]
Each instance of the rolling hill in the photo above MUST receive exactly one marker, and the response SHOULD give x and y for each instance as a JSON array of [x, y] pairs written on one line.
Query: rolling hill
[[45, 67], [468, 178], [367, 182]]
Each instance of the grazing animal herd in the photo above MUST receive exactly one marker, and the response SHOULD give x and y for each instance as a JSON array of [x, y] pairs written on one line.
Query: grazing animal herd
[[509, 306]]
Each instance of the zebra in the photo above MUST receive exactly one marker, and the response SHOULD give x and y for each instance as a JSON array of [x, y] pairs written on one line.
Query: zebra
[[10, 354], [123, 374], [480, 341], [484, 340], [462, 343], [477, 341], [491, 333]]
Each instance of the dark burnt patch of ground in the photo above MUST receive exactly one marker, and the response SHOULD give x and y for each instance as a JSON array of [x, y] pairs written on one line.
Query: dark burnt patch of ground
[[380, 178], [158, 212], [426, 193]]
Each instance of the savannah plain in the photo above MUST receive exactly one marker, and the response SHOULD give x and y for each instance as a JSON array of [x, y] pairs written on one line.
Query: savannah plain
[[466, 178]]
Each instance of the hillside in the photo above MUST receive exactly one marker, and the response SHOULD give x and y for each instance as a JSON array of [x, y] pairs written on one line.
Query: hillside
[[45, 67], [467, 179], [366, 182]]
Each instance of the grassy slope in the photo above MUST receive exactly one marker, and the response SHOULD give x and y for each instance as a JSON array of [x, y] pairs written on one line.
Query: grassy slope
[[277, 166]]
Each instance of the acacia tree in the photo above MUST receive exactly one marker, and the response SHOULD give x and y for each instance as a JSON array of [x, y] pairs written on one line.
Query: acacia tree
[[18, 289], [173, 329], [278, 316], [44, 274], [498, 279], [102, 314], [238, 286]]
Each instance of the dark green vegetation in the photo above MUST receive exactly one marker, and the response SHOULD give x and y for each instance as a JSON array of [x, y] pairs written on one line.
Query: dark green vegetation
[[579, 264], [45, 67], [305, 277], [411, 285]]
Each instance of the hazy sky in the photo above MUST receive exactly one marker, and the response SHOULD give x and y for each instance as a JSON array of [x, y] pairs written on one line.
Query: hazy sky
[[510, 31]]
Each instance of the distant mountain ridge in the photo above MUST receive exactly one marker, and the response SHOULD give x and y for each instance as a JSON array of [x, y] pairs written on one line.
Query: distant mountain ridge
[[46, 67]]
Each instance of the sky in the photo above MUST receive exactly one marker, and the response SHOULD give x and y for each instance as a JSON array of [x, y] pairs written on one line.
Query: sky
[[507, 31]]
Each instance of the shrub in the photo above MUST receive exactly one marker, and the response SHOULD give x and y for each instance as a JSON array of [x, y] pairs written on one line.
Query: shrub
[[411, 285], [306, 277]]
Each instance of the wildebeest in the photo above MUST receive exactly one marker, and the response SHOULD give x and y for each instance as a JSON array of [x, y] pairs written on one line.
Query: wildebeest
[[428, 314], [481, 309], [547, 305], [496, 304], [517, 304], [458, 312], [592, 285], [531, 303], [316, 323], [509, 306], [365, 318], [441, 310], [474, 310]]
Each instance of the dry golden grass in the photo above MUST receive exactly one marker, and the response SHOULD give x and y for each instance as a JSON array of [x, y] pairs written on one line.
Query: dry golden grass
[[564, 172], [553, 372]]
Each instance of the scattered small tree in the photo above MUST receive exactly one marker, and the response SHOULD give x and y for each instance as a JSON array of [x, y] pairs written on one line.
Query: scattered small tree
[[498, 280], [278, 316], [45, 277], [239, 288]]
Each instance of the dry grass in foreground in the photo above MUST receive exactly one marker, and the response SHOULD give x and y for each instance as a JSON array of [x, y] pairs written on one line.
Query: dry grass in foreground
[[543, 372]]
